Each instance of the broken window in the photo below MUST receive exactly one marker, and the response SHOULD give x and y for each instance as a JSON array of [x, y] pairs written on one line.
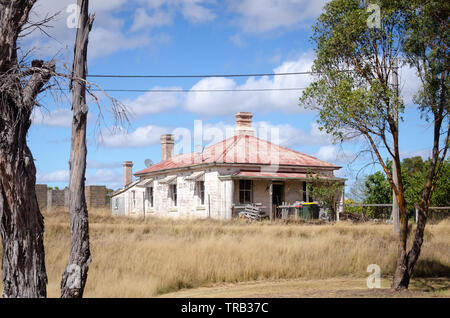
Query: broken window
[[173, 188], [201, 191], [245, 191], [150, 196]]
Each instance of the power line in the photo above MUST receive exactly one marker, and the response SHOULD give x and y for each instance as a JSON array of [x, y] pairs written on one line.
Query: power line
[[192, 90], [199, 76]]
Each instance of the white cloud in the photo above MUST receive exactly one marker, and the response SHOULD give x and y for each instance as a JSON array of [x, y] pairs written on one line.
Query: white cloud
[[108, 35], [282, 134], [237, 40], [424, 153], [222, 103], [102, 165], [332, 154], [158, 19], [162, 13], [104, 41], [409, 83], [267, 15], [195, 12], [110, 177], [54, 176], [142, 137], [59, 117], [154, 102]]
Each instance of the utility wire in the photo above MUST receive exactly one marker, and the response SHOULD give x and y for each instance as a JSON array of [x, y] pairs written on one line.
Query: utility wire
[[191, 90], [199, 76]]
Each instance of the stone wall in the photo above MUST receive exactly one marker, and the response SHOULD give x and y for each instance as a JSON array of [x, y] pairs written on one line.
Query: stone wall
[[51, 199], [96, 196], [57, 199], [41, 193]]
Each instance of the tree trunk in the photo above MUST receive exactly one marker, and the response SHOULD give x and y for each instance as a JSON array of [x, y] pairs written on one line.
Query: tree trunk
[[21, 223], [75, 274], [407, 261]]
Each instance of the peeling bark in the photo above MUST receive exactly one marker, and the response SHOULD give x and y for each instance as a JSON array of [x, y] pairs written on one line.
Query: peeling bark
[[75, 274], [21, 223]]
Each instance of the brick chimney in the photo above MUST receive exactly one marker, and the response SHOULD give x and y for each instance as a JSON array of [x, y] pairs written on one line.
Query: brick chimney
[[167, 144], [244, 124], [127, 173]]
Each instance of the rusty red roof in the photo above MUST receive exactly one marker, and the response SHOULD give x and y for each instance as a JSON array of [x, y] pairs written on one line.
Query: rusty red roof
[[242, 149], [280, 175]]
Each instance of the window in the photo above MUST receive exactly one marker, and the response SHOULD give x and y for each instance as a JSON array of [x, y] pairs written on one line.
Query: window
[[201, 191], [245, 191], [174, 194], [150, 196], [116, 203], [304, 192], [133, 198]]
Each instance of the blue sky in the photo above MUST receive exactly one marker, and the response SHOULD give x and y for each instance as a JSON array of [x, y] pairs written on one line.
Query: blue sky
[[167, 37]]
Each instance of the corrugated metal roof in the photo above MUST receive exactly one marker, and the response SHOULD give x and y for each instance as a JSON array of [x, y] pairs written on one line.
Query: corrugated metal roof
[[242, 149], [279, 175]]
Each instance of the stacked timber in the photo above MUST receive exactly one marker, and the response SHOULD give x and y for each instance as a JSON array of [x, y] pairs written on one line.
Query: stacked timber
[[252, 212]]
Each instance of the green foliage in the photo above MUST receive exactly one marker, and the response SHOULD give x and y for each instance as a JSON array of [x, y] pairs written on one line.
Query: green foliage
[[414, 172], [352, 91], [327, 192]]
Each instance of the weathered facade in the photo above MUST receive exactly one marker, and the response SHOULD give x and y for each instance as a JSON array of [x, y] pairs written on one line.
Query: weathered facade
[[239, 170]]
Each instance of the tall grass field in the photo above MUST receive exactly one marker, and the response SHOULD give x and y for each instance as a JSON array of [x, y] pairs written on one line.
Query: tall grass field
[[151, 257]]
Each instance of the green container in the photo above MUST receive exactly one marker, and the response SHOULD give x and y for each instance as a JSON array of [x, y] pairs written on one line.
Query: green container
[[309, 211]]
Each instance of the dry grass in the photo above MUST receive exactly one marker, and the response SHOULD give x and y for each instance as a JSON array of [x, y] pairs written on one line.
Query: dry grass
[[137, 258]]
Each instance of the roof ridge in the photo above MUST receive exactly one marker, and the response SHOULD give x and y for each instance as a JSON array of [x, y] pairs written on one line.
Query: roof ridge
[[286, 148]]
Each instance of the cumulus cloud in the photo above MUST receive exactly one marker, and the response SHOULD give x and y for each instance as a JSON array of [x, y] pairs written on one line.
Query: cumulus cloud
[[110, 177], [154, 102], [258, 16], [110, 32], [143, 136], [332, 154], [54, 176], [424, 153], [409, 83], [283, 134], [162, 13], [59, 117], [223, 103]]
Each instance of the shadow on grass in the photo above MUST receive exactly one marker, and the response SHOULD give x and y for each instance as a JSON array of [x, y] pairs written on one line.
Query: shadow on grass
[[431, 268]]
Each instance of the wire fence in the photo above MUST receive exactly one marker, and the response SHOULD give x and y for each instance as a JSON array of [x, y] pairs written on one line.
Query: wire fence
[[366, 211]]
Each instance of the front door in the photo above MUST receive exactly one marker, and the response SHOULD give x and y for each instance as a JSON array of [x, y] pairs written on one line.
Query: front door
[[277, 193]]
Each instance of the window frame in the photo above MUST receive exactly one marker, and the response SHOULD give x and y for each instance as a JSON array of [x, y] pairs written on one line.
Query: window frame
[[201, 192], [174, 194], [150, 196], [243, 190]]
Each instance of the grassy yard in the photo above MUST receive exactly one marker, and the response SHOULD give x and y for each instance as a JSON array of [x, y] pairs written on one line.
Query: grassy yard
[[160, 257]]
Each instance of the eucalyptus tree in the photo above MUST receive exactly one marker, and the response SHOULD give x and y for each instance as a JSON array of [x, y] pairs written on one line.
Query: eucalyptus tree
[[353, 94]]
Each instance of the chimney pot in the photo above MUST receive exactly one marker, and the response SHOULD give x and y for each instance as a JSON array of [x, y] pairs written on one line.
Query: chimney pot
[[127, 173], [244, 124], [167, 145]]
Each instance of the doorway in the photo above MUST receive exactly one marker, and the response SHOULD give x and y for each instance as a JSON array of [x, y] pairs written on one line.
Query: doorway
[[277, 193]]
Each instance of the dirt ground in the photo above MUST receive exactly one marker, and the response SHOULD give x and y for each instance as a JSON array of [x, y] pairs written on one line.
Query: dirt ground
[[336, 287]]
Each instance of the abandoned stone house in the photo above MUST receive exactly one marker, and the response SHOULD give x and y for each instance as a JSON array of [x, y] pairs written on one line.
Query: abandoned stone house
[[239, 170]]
